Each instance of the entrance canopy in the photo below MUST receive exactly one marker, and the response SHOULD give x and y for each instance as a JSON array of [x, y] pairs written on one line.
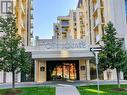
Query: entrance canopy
[[60, 49], [37, 53]]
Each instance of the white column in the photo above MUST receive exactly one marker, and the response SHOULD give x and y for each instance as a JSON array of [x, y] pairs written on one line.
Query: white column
[[19, 77], [36, 71], [8, 77], [121, 75], [88, 69], [113, 74], [1, 76], [105, 75]]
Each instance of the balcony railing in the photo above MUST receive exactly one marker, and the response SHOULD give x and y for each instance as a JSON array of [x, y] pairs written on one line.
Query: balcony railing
[[97, 38], [96, 6], [97, 22], [32, 25], [23, 8], [31, 16], [65, 23]]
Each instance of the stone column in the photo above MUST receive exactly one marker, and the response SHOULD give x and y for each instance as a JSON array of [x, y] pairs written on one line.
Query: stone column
[[1, 76], [42, 71], [88, 69], [105, 75], [36, 69], [82, 70]]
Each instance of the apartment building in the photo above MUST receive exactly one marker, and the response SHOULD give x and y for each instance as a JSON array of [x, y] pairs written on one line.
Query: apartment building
[[100, 12], [71, 25], [67, 55], [126, 6], [22, 9], [126, 21]]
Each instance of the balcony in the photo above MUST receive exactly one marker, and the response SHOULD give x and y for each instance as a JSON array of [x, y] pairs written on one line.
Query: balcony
[[64, 30], [102, 3], [65, 23], [63, 18], [31, 16], [96, 6], [31, 34], [31, 26], [56, 28], [23, 8], [82, 23], [97, 22], [23, 25], [32, 6], [81, 14], [97, 38]]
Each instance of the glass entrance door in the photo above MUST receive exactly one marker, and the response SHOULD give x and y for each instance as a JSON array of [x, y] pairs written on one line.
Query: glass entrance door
[[69, 71], [63, 70], [66, 71]]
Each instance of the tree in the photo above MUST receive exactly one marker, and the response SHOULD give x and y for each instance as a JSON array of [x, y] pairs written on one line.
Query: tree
[[13, 57], [112, 55]]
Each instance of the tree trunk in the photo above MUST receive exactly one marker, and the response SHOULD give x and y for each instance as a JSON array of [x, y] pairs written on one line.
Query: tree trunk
[[118, 77], [13, 79]]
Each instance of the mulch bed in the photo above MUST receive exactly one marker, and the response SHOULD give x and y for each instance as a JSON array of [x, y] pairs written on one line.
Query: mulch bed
[[120, 89], [13, 92]]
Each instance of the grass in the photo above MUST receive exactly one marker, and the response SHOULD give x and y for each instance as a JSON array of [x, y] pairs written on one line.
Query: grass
[[30, 91], [104, 90]]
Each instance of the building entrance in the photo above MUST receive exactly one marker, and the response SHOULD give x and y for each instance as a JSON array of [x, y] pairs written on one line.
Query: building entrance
[[62, 70]]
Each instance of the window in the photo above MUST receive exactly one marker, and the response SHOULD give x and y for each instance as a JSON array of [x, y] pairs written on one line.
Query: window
[[75, 29], [64, 35], [6, 7], [126, 6], [75, 24], [74, 16]]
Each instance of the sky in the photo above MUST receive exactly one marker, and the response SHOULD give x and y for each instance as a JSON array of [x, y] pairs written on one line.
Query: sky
[[45, 14]]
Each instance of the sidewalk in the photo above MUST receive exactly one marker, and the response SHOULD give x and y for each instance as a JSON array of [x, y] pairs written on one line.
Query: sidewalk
[[60, 83], [66, 90]]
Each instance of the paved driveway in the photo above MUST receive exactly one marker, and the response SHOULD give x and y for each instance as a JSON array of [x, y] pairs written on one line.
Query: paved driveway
[[66, 90]]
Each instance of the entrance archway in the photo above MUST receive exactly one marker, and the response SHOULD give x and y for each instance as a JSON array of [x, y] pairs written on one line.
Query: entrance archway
[[62, 70]]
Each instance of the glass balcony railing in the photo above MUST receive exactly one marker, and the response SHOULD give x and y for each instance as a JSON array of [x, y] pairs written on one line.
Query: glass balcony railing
[[96, 6], [23, 8], [65, 23], [97, 38], [102, 3], [32, 16], [96, 22]]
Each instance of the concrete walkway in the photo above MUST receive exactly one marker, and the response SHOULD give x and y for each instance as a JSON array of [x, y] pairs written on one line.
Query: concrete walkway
[[60, 83], [66, 90]]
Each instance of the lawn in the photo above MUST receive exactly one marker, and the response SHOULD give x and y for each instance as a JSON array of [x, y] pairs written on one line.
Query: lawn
[[30, 91], [104, 90]]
